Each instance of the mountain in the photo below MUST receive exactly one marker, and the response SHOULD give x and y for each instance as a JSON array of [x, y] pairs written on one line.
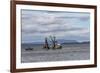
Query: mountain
[[37, 42], [66, 41]]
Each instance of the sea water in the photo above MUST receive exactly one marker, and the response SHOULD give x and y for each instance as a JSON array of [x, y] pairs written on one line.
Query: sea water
[[75, 51]]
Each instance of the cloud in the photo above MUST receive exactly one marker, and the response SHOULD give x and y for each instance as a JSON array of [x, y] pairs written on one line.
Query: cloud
[[36, 24]]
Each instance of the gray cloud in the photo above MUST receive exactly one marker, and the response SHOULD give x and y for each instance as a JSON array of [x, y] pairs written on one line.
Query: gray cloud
[[61, 24]]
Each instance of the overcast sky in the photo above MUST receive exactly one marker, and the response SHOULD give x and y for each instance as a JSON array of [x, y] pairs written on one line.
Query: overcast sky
[[38, 24]]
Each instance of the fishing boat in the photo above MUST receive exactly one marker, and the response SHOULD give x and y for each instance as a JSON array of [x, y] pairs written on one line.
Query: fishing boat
[[53, 43]]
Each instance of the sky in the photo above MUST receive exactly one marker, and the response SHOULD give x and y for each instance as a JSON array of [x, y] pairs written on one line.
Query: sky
[[38, 24]]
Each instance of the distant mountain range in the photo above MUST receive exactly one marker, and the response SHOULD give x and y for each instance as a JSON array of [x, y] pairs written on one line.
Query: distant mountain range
[[66, 41], [61, 41]]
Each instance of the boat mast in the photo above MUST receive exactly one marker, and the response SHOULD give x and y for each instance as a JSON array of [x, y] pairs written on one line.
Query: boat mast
[[53, 39], [46, 44]]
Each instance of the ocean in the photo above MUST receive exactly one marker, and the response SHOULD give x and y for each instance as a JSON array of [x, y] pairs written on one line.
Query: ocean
[[70, 51]]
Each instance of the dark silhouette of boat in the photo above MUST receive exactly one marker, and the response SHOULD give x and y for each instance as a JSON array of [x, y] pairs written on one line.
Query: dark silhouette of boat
[[53, 45], [29, 49]]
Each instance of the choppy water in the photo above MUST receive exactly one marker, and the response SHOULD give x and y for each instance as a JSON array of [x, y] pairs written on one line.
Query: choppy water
[[68, 52]]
